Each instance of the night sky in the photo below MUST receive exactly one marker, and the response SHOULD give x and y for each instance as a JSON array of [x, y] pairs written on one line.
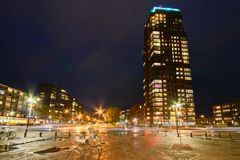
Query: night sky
[[93, 48]]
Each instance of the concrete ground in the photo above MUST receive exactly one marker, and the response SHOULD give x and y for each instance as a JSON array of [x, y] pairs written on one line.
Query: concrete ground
[[132, 147]]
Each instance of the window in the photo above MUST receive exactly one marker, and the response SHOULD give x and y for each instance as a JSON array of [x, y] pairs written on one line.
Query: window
[[1, 92], [10, 89], [188, 78]]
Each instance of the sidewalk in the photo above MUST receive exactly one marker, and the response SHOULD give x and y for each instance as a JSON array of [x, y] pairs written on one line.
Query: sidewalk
[[31, 137]]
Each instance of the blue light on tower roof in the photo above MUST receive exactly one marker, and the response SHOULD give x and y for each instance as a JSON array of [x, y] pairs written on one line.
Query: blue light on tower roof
[[164, 9]]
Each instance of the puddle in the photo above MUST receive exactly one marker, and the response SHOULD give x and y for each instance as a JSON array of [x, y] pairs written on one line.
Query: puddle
[[51, 150]]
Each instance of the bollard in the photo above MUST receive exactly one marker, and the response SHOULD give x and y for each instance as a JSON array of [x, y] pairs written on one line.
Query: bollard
[[120, 134], [25, 134], [230, 136], [206, 135], [165, 133], [56, 135], [191, 135], [143, 133], [40, 134], [69, 135], [108, 134], [219, 135]]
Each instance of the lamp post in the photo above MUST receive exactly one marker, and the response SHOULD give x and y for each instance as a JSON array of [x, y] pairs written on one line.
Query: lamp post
[[177, 113], [11, 117], [49, 118], [30, 101], [66, 111]]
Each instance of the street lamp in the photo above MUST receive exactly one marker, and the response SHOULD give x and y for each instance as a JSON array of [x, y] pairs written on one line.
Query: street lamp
[[49, 118], [177, 114], [99, 111], [31, 101], [135, 121], [67, 117], [11, 116]]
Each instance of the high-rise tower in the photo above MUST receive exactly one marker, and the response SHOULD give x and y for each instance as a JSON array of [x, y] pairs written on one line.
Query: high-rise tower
[[167, 72]]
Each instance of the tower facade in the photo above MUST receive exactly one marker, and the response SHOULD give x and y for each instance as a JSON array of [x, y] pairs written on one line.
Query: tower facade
[[167, 84]]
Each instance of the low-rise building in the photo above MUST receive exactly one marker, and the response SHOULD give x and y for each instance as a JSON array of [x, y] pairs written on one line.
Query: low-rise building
[[14, 104], [227, 114], [58, 103]]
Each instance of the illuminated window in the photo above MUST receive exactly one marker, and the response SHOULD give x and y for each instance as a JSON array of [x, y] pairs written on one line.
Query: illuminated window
[[156, 64], [226, 110], [10, 89], [185, 59], [52, 105], [53, 96], [188, 78], [1, 92], [189, 91], [155, 32], [185, 53], [8, 99], [62, 90], [156, 44]]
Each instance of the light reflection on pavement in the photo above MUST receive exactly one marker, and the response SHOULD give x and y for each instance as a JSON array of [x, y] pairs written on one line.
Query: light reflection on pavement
[[151, 146]]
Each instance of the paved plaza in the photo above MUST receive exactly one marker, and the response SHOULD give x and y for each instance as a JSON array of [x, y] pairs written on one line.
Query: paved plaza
[[149, 146]]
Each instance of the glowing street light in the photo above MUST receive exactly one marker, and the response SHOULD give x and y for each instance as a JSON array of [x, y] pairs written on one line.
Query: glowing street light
[[31, 101], [135, 121], [99, 111]]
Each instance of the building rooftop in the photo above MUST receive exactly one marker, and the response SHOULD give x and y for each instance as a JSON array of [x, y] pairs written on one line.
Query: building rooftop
[[164, 9]]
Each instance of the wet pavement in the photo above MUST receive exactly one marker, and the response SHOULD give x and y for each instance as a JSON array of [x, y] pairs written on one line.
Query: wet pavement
[[132, 147]]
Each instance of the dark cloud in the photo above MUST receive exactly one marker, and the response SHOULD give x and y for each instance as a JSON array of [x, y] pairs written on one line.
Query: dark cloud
[[93, 48]]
